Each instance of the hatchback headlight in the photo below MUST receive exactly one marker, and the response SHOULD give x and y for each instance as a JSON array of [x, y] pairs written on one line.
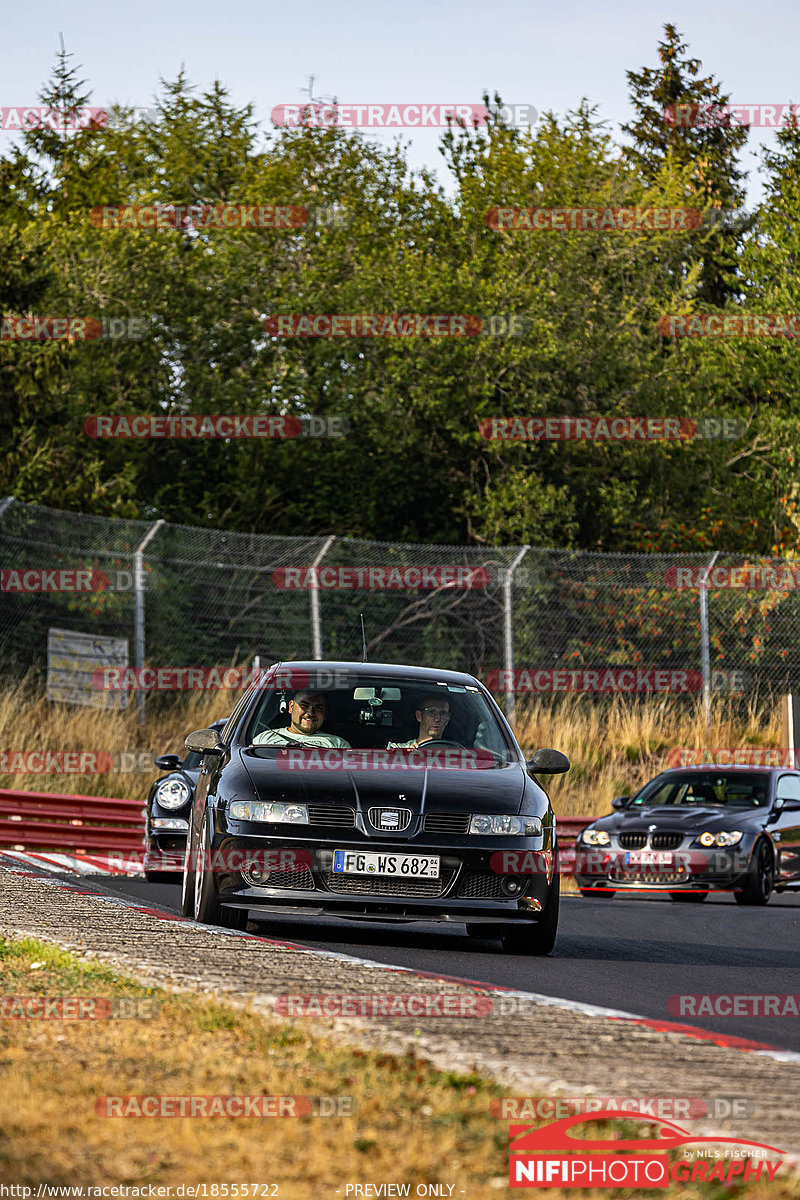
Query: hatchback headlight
[[595, 837], [728, 837], [499, 823], [172, 793], [268, 810]]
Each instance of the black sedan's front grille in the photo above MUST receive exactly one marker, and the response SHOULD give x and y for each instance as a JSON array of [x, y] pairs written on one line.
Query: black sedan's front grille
[[332, 814], [665, 841], [446, 822], [632, 841], [381, 885], [301, 880]]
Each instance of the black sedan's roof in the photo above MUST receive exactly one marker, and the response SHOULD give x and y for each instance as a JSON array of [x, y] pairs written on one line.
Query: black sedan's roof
[[376, 670]]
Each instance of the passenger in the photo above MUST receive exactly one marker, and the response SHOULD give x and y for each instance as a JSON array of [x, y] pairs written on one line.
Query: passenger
[[307, 711], [433, 717]]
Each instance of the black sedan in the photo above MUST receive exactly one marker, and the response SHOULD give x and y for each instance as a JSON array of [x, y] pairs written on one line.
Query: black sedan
[[692, 831], [166, 822], [374, 792]]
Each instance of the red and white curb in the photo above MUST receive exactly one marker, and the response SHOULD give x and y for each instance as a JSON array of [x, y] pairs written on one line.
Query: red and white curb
[[85, 864], [728, 1041]]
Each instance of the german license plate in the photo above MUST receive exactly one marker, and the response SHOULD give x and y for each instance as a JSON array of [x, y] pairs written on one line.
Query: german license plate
[[412, 866], [650, 858]]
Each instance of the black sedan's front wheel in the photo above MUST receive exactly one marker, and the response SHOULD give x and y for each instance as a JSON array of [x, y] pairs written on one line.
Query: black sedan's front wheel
[[760, 879], [206, 906]]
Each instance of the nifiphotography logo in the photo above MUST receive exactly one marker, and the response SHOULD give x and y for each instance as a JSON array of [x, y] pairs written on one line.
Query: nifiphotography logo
[[552, 1157]]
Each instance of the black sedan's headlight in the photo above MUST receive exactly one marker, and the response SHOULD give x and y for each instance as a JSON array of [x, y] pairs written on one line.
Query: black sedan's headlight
[[728, 837], [594, 837], [500, 823], [172, 793]]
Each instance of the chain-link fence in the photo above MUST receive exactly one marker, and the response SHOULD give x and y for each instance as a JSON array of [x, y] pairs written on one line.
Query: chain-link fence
[[520, 618]]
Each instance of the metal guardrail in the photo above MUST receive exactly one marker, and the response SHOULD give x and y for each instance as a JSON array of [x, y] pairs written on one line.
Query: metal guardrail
[[59, 821]]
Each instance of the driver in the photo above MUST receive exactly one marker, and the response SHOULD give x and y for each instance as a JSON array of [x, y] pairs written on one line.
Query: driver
[[433, 716], [307, 711]]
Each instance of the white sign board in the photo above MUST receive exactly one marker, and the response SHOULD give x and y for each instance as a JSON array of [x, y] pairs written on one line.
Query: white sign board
[[72, 659]]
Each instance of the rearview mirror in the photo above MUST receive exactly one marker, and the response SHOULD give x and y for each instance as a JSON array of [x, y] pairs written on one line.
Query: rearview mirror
[[620, 802], [548, 762], [169, 762], [205, 741]]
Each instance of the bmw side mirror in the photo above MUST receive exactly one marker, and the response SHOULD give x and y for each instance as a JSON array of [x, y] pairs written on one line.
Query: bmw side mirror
[[169, 762], [548, 762], [620, 802], [205, 741]]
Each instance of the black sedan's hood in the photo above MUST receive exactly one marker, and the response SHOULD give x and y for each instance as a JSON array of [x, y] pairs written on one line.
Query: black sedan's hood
[[497, 789], [680, 818]]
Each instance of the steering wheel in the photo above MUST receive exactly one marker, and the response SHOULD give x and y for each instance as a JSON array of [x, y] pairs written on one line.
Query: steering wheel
[[440, 742]]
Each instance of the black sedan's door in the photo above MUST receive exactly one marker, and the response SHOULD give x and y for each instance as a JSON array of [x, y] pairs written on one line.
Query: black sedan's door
[[785, 828]]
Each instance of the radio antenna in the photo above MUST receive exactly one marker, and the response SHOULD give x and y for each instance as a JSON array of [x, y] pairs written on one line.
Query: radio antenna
[[363, 640]]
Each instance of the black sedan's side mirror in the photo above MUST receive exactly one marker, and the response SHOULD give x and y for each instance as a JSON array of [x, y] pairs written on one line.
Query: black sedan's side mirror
[[548, 762], [620, 802], [169, 762], [782, 805], [205, 741]]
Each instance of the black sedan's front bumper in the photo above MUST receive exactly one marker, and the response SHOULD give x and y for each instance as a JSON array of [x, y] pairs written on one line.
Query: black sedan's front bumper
[[690, 869], [470, 888]]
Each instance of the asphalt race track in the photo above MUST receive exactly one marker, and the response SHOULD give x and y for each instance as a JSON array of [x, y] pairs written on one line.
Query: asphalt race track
[[629, 953]]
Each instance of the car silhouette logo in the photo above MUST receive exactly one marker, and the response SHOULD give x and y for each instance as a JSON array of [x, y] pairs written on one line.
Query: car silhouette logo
[[556, 1137]]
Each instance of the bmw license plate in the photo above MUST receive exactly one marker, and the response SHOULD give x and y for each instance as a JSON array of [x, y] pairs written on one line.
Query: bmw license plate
[[654, 859], [414, 866]]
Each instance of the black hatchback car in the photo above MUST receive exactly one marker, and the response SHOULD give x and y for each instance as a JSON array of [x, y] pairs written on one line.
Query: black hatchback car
[[690, 831], [167, 812], [373, 791]]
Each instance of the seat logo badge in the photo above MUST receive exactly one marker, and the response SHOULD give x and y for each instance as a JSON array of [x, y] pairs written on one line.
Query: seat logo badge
[[390, 819]]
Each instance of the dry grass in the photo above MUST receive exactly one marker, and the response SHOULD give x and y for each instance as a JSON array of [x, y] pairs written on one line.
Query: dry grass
[[412, 1123], [614, 745]]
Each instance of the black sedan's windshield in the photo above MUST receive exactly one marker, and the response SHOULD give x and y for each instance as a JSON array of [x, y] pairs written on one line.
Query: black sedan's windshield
[[728, 789], [369, 713]]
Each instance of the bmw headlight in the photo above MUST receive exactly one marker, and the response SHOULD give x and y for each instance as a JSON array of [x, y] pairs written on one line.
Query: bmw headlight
[[499, 823], [268, 810], [595, 837], [728, 837], [172, 793]]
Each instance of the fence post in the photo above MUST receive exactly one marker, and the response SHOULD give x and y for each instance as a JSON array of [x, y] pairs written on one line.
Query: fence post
[[5, 503], [508, 635], [138, 615], [705, 652], [316, 614]]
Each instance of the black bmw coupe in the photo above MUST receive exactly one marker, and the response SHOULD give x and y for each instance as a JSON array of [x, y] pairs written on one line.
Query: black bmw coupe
[[377, 792], [691, 831]]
